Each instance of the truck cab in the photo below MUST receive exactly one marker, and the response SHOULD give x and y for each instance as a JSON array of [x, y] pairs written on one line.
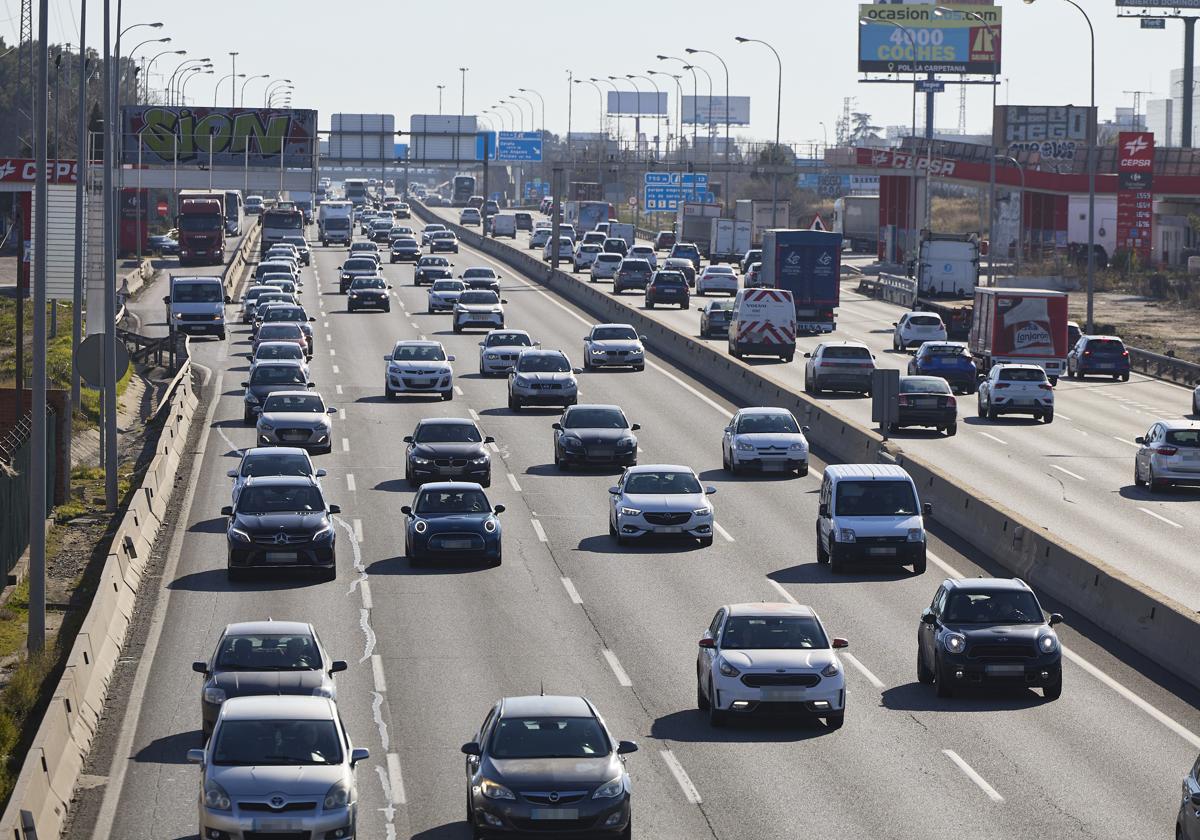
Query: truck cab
[[201, 227], [947, 265], [196, 305]]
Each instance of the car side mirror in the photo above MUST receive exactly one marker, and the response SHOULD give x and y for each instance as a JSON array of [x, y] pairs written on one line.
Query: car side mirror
[[499, 509], [895, 324], [227, 510], [471, 748], [359, 754], [337, 666], [200, 667], [489, 439], [1140, 440], [805, 429], [927, 508], [635, 427], [195, 756], [387, 358], [228, 299], [481, 344], [335, 508], [339, 268], [331, 410], [710, 644], [408, 438], [577, 370], [449, 358], [709, 490], [390, 287], [626, 747], [928, 618], [614, 490], [841, 643], [231, 473], [321, 473], [808, 355], [245, 384], [1055, 618], [406, 510], [823, 510]]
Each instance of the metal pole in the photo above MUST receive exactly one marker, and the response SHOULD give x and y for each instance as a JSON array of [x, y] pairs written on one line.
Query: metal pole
[[778, 110], [233, 82], [1189, 58], [463, 104], [82, 161], [110, 273]]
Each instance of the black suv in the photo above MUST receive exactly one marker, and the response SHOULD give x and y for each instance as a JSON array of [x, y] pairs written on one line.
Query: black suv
[[988, 631], [668, 287], [281, 522]]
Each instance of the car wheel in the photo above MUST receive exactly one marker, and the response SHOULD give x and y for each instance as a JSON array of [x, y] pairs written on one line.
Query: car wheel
[[822, 554], [329, 574], [1195, 405], [248, 418], [1137, 476], [389, 393], [457, 329], [513, 404], [1124, 376], [835, 721], [649, 304], [837, 565], [447, 395], [1053, 380], [992, 414], [716, 717], [924, 675], [1048, 416], [952, 430], [1053, 690], [816, 385], [233, 575], [920, 564], [942, 687], [1156, 485]]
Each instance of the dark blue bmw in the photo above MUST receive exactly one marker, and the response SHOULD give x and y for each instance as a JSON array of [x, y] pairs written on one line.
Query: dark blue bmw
[[452, 520], [950, 360]]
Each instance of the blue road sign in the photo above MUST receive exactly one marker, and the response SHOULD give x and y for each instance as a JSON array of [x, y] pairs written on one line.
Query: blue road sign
[[490, 137], [687, 179], [930, 86], [401, 150], [519, 145]]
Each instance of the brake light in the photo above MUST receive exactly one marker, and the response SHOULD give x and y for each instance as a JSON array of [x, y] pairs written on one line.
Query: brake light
[[1166, 450], [951, 402], [1124, 352], [1045, 386], [1000, 385], [904, 399]]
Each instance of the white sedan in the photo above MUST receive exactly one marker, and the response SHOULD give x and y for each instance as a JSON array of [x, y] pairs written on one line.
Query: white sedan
[[443, 294], [660, 499], [717, 278]]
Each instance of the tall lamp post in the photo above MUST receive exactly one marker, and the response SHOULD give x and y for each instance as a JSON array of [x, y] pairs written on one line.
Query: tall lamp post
[[183, 65], [695, 95], [191, 74], [541, 100], [440, 88], [1091, 166], [217, 86], [532, 115], [678, 111], [234, 76], [242, 92], [150, 63], [463, 70], [271, 88], [694, 67], [614, 87], [600, 93], [657, 98], [725, 67], [778, 108], [637, 118]]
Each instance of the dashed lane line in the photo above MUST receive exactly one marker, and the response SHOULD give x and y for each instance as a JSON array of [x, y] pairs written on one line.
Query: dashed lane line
[[685, 783], [1160, 517], [728, 537], [993, 437], [377, 673], [537, 529], [787, 596], [1067, 471], [350, 483], [862, 669], [618, 671], [512, 479], [572, 592], [970, 773]]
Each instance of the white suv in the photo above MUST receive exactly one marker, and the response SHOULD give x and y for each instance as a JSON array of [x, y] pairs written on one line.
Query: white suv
[[606, 266], [1016, 389], [917, 328], [418, 367], [770, 658]]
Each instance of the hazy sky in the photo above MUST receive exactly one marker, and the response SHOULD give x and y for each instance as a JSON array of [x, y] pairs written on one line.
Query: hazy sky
[[388, 56]]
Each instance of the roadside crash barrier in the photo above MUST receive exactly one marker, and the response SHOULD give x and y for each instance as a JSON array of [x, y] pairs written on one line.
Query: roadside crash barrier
[[1158, 627], [39, 804], [232, 275]]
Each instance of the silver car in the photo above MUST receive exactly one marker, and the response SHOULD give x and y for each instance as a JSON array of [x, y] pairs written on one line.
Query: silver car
[[296, 418], [479, 308], [613, 345], [443, 294], [766, 439], [266, 461], [542, 377], [1169, 453], [418, 367], [499, 350], [278, 766], [660, 499], [250, 300]]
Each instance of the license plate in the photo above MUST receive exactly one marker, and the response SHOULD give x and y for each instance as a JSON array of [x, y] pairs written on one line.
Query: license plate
[[1103, 365], [278, 825], [925, 402], [1005, 670], [281, 557], [882, 551], [672, 529], [782, 695], [554, 814], [1022, 402], [772, 466], [456, 543]]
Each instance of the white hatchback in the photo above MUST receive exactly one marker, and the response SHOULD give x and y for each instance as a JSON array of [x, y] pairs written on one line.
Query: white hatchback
[[606, 266], [644, 252], [917, 328], [717, 278], [1016, 389]]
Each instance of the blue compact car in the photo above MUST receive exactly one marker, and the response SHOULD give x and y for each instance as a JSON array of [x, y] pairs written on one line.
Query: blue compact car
[[950, 360], [452, 520]]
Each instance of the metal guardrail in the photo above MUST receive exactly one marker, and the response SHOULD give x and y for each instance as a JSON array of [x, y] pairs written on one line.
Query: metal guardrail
[[895, 288], [1164, 367]]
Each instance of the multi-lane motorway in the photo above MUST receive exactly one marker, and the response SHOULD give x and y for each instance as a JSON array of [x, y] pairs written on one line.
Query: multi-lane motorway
[[1075, 476], [430, 649]]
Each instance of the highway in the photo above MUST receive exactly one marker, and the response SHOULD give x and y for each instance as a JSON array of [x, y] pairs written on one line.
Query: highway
[[1074, 476], [569, 612]]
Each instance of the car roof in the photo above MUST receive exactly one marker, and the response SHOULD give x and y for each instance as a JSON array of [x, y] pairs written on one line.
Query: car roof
[[278, 707], [413, 342], [1016, 366], [273, 450], [960, 344], [1009, 584], [843, 344], [754, 608], [446, 421], [549, 705], [440, 486], [1179, 425], [1102, 337], [295, 392], [278, 363], [600, 326], [263, 344], [764, 409], [247, 628], [538, 351], [507, 331], [645, 468], [906, 378], [604, 406], [866, 471], [280, 481]]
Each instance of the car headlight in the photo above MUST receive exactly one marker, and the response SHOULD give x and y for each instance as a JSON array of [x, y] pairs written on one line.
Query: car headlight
[[215, 796], [323, 534], [627, 442], [214, 695], [179, 316], [610, 790], [495, 790], [704, 511], [1048, 643], [423, 462], [571, 440], [338, 796], [846, 535], [520, 381], [490, 526], [728, 670], [916, 535], [353, 295], [628, 511], [954, 642], [266, 427], [238, 535], [491, 357], [598, 352], [482, 459], [798, 447], [420, 526], [324, 691], [743, 446]]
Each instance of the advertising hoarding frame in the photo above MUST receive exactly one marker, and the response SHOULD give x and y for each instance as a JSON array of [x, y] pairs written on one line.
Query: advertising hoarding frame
[[969, 52], [695, 107], [628, 103], [178, 135]]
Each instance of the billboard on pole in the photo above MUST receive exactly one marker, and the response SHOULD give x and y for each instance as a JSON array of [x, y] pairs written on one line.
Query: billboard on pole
[[1053, 132], [1135, 192], [162, 135], [916, 38], [697, 110], [632, 103]]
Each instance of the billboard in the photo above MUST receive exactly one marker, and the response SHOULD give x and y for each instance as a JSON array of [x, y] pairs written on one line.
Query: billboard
[[1160, 4], [361, 137], [1135, 192], [1052, 132], [434, 137], [162, 135], [914, 38], [24, 171], [698, 110], [634, 103]]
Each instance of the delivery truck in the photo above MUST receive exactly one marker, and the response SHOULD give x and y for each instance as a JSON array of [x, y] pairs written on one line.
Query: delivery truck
[[693, 223], [279, 222], [196, 305], [728, 240], [808, 263], [622, 230], [947, 264], [762, 215], [856, 218], [585, 215], [201, 224], [335, 222], [1020, 326]]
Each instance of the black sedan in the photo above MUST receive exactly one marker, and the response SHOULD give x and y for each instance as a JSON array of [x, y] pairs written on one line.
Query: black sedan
[[927, 401], [984, 631], [268, 377], [369, 293], [450, 520], [443, 240], [547, 762], [404, 249], [430, 269], [264, 657], [281, 522], [594, 434], [447, 448], [668, 287], [715, 318], [482, 278]]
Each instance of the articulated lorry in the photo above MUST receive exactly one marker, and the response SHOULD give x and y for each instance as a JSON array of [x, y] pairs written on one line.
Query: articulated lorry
[[947, 265], [585, 215], [201, 225], [728, 240], [856, 218], [807, 263], [1025, 326]]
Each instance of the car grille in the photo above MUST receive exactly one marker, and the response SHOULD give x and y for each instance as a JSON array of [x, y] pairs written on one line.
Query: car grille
[[792, 680], [878, 541], [564, 797], [423, 382], [277, 835], [263, 807], [545, 386], [451, 462], [290, 538], [1020, 650], [438, 542], [293, 434], [549, 826], [667, 518], [771, 450], [196, 316], [504, 357], [600, 452]]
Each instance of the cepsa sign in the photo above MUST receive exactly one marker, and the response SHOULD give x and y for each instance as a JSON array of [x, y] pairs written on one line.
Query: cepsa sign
[[929, 39], [155, 135], [24, 171]]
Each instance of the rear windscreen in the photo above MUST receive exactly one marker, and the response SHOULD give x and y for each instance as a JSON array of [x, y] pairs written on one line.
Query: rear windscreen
[[1184, 437], [847, 353]]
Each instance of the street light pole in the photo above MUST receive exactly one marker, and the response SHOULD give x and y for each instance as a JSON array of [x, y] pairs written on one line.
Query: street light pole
[[463, 70], [678, 113], [778, 109], [242, 92], [188, 76], [633, 81], [150, 63], [217, 86], [543, 101], [440, 88], [695, 97], [614, 87], [725, 67], [708, 76], [233, 75], [271, 88], [657, 98]]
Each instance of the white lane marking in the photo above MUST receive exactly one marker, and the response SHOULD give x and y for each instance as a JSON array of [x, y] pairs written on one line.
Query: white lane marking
[[694, 392], [727, 536], [1062, 416], [1158, 516], [332, 352], [395, 780], [341, 414], [339, 388], [572, 592], [1127, 442], [326, 325], [970, 773], [1068, 472], [345, 444], [787, 596], [350, 482], [364, 587], [377, 672], [458, 391], [358, 531], [689, 790], [862, 669], [512, 479], [232, 445], [942, 564], [495, 447], [474, 414], [537, 529], [377, 714], [617, 670], [993, 437], [328, 337], [423, 338], [414, 325], [334, 368]]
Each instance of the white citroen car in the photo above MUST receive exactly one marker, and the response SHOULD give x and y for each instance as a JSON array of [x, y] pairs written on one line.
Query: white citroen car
[[766, 439]]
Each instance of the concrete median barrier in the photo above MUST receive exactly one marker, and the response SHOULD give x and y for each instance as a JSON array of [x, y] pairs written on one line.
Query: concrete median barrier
[[1154, 625]]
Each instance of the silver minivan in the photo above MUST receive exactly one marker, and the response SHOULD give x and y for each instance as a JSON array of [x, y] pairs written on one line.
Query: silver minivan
[[870, 513], [1169, 453]]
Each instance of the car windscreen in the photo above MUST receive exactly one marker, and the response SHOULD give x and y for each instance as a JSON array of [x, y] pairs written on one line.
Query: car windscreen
[[608, 258], [447, 433], [721, 306], [548, 737], [875, 498], [274, 350], [427, 261], [337, 223], [361, 247], [614, 334], [992, 607], [662, 483], [921, 385], [276, 742], [278, 375], [543, 363], [280, 332], [1022, 375], [255, 291], [478, 297], [405, 241], [479, 272], [447, 286], [196, 293], [451, 501], [595, 418], [268, 652], [1189, 438], [791, 632], [200, 223], [420, 353], [432, 228], [368, 283], [762, 424], [299, 498], [509, 340], [276, 463], [299, 241], [304, 404], [589, 248], [444, 234], [847, 353]]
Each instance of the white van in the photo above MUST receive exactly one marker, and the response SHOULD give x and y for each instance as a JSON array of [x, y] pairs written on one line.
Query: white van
[[503, 225], [870, 513], [196, 305], [763, 323]]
